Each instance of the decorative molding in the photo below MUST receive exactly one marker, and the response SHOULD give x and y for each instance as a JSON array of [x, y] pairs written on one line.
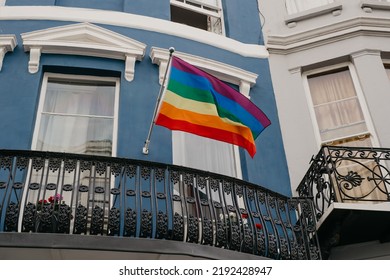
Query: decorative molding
[[133, 21], [83, 39], [369, 5], [365, 52], [295, 70], [333, 8], [7, 44], [324, 35], [227, 73]]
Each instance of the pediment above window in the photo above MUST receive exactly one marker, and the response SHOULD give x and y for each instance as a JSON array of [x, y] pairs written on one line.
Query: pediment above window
[[83, 39], [225, 72], [7, 44]]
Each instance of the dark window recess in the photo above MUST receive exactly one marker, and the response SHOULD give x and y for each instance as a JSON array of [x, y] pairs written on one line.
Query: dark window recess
[[188, 17]]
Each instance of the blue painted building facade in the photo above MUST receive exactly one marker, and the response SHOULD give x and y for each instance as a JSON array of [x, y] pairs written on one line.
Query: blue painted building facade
[[20, 90]]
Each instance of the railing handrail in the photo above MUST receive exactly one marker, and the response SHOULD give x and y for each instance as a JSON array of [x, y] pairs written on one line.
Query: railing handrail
[[337, 172], [122, 160], [98, 195]]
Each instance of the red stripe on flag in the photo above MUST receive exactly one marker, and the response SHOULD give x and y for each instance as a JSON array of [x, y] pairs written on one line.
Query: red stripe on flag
[[209, 132]]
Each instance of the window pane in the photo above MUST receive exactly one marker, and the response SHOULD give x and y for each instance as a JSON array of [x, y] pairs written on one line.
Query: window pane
[[188, 17], [202, 14], [330, 87], [82, 135], [339, 119], [336, 105], [203, 153], [77, 116], [72, 97]]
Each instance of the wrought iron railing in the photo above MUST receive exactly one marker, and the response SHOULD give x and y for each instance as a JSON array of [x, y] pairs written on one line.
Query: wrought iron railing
[[348, 175], [91, 195]]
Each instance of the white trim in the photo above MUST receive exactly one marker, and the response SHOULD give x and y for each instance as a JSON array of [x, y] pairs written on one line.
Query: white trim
[[363, 105], [380, 206], [83, 39], [199, 10], [225, 72], [327, 34], [334, 8], [7, 44], [369, 5], [359, 94], [42, 97], [131, 21]]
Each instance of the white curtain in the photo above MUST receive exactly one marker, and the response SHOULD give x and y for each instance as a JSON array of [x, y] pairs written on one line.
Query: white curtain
[[337, 108], [205, 154], [296, 6], [77, 118]]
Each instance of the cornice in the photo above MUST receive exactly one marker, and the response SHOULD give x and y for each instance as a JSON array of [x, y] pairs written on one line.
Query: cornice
[[114, 18], [225, 72], [318, 36]]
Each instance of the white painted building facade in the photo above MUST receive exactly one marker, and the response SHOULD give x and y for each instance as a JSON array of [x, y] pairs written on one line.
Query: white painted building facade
[[330, 67]]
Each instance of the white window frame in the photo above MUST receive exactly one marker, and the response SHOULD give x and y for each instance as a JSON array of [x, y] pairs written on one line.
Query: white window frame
[[2, 2], [359, 93], [292, 7], [43, 92], [213, 12]]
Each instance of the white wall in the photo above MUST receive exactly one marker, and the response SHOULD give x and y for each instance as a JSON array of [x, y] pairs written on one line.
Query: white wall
[[347, 33]]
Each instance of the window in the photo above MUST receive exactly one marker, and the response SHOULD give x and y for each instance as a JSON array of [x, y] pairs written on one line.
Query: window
[[202, 14], [2, 2], [296, 6], [206, 154], [77, 114], [337, 108]]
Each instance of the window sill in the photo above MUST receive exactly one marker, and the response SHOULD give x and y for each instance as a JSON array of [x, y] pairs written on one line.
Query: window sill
[[334, 8], [369, 5]]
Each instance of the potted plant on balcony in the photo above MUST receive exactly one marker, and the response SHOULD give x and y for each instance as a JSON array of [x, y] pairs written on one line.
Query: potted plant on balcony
[[53, 215]]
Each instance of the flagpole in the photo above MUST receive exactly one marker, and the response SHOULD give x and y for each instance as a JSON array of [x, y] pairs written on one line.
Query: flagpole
[[145, 149]]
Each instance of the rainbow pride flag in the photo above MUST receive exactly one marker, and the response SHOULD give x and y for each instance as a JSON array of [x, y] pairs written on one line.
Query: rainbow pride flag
[[199, 103]]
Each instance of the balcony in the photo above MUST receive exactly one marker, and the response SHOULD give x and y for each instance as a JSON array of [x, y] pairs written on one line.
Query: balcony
[[350, 191], [68, 201]]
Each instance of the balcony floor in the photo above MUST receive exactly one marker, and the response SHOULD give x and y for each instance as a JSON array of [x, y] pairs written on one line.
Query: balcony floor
[[48, 246], [351, 223]]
